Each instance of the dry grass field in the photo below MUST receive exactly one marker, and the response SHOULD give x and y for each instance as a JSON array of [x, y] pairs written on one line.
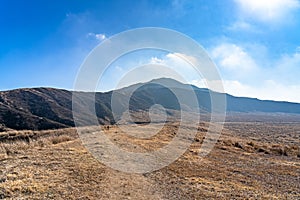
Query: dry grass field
[[250, 161]]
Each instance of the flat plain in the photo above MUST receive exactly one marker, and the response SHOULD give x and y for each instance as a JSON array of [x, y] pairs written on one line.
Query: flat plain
[[251, 160]]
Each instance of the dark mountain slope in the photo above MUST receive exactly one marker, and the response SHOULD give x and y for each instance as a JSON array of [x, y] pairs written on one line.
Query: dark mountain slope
[[48, 108], [39, 108], [243, 104]]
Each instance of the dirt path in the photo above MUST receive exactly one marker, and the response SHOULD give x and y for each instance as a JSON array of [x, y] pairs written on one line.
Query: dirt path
[[60, 167], [67, 171], [130, 186]]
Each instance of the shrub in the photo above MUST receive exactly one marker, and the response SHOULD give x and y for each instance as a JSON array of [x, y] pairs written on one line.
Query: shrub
[[60, 139]]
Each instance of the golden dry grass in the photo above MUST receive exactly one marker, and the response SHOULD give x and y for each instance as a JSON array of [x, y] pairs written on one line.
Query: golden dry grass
[[256, 162]]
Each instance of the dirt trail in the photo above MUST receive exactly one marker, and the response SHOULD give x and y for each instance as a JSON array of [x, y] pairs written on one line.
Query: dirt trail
[[130, 186], [59, 167]]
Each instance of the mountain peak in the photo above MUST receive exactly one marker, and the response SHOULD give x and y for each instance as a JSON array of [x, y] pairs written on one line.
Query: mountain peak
[[47, 108]]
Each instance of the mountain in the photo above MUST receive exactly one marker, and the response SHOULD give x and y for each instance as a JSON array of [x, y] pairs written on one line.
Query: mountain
[[48, 108]]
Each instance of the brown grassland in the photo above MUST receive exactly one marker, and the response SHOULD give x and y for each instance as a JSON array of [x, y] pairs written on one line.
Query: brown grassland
[[256, 160]]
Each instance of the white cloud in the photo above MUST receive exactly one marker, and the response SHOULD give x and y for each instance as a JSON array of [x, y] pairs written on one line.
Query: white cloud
[[178, 56], [268, 90], [287, 68], [178, 59], [135, 70], [233, 58], [267, 10], [245, 75], [155, 60], [199, 83], [98, 36], [181, 63], [243, 26]]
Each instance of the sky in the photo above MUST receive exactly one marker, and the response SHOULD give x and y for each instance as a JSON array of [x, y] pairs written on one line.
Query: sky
[[255, 44]]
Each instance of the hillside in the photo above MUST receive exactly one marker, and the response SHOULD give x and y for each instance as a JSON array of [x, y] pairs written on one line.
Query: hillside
[[49, 108]]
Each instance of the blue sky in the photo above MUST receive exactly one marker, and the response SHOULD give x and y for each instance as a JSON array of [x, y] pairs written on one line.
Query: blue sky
[[255, 44]]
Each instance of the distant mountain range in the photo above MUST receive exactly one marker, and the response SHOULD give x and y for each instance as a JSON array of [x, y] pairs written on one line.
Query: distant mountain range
[[49, 108]]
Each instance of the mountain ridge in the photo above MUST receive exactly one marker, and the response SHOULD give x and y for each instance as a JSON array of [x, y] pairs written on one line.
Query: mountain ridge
[[50, 108]]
